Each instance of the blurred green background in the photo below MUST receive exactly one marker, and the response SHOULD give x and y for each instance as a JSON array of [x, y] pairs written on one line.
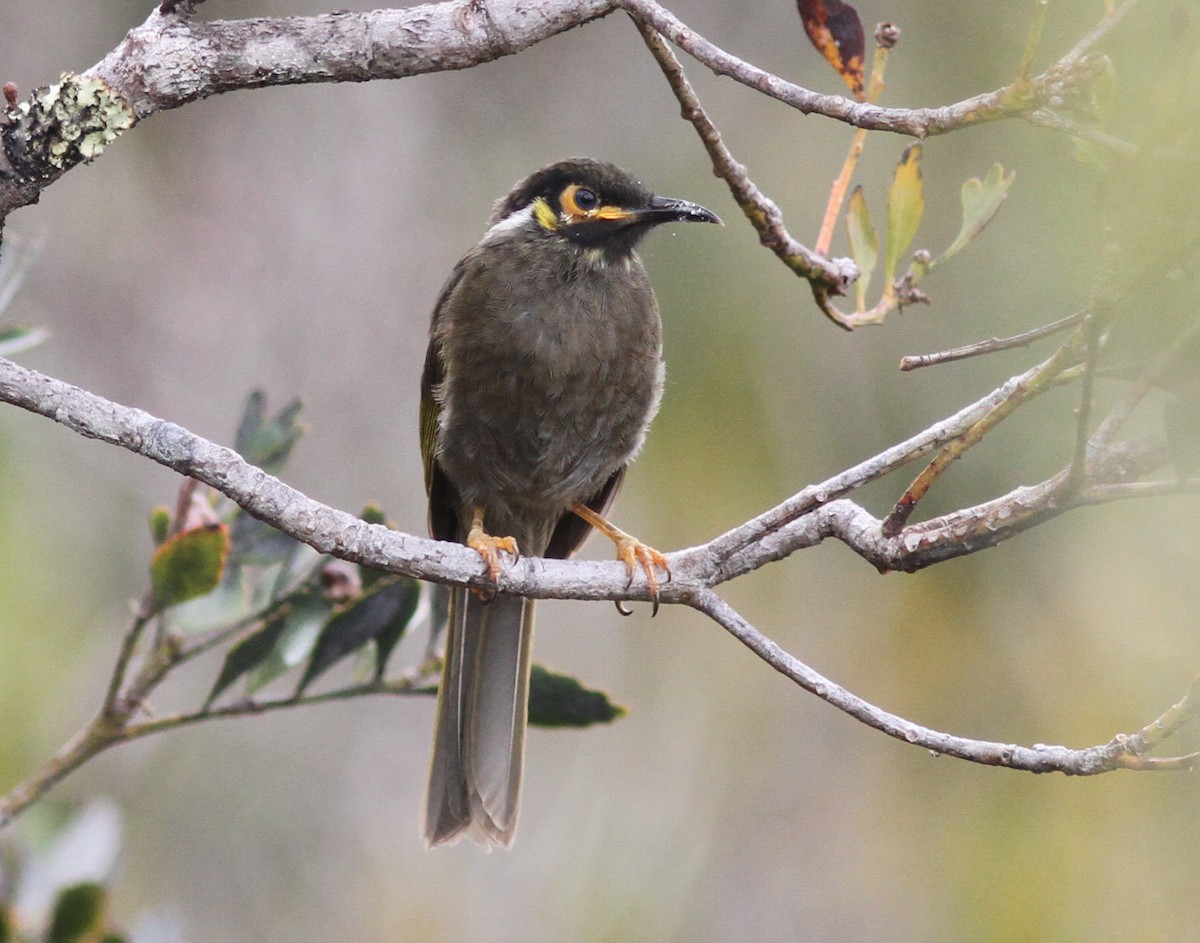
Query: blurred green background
[[296, 239]]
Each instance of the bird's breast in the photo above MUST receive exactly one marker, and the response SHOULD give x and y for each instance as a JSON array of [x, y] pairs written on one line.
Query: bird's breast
[[551, 379]]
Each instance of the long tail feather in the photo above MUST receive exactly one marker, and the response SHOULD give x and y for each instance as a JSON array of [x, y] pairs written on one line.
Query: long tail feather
[[479, 737]]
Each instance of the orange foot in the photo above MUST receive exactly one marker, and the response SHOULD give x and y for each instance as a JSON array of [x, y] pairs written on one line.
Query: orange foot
[[490, 547], [630, 551]]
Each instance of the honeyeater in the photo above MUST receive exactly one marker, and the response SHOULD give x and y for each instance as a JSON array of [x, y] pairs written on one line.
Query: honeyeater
[[543, 372]]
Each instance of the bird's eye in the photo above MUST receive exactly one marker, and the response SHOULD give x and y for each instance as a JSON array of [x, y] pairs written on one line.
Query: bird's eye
[[585, 199]]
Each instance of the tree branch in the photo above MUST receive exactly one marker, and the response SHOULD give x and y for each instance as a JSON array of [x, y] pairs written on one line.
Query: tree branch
[[801, 521], [804, 520], [1122, 752], [170, 61], [1021, 98]]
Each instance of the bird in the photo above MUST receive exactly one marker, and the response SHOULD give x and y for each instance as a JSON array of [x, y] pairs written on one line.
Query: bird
[[543, 372]]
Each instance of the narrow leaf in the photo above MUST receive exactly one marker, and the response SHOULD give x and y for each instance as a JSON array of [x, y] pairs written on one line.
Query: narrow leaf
[[981, 200], [252, 418], [836, 30], [302, 626], [247, 655], [556, 700], [384, 611], [268, 443], [189, 564], [906, 206], [386, 640], [864, 243], [256, 542]]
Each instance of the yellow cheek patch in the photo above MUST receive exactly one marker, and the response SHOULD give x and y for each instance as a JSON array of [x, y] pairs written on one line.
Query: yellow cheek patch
[[544, 215]]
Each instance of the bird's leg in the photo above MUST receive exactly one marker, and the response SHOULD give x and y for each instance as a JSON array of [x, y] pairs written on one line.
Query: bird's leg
[[631, 551], [487, 546]]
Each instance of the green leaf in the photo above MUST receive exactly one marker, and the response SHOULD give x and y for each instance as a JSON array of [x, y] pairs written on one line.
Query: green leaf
[[252, 417], [304, 618], [190, 564], [256, 542], [381, 615], [386, 640], [78, 913], [905, 207], [247, 654], [981, 199], [268, 443], [864, 243], [18, 337], [557, 700], [372, 514], [160, 524]]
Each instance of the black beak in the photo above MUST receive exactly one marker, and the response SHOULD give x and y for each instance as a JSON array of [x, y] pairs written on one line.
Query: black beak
[[665, 210]]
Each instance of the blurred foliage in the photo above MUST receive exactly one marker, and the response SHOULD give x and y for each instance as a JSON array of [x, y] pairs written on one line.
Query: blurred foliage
[[725, 806], [287, 608], [55, 875]]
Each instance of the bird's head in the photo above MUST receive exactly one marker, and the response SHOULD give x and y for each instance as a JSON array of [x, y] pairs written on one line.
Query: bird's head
[[593, 205]]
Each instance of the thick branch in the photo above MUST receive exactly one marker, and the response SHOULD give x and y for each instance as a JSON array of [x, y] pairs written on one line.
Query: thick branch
[[169, 61], [803, 520]]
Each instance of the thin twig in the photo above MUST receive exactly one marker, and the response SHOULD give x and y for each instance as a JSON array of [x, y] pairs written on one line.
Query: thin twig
[[1041, 380], [96, 737], [980, 348], [1045, 118], [1141, 387], [1002, 103], [145, 612], [764, 214], [409, 683], [1118, 753], [837, 191], [1099, 32], [1094, 326]]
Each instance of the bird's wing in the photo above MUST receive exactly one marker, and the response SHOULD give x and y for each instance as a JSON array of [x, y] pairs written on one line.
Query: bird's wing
[[443, 498]]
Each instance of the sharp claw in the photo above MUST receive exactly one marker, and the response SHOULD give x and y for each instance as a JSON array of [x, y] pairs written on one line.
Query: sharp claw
[[621, 608], [636, 554]]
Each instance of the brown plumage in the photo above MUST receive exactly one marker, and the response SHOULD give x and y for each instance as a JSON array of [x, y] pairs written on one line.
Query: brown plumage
[[543, 372]]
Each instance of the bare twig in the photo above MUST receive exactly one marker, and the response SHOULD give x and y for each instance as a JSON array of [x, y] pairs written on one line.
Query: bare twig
[[841, 185], [995, 344], [1011, 101], [107, 731], [1138, 390], [826, 275], [1094, 326], [805, 520], [1041, 380], [1123, 752]]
